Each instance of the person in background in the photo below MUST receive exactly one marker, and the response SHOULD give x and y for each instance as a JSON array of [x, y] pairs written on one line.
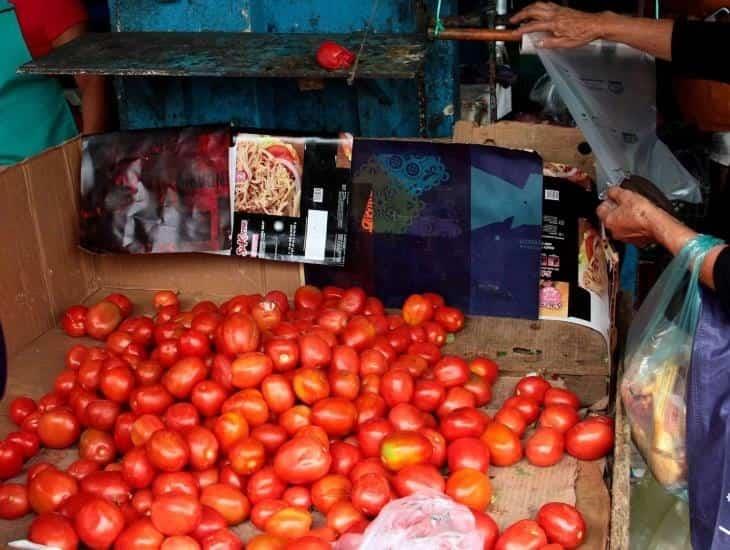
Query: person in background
[[34, 114]]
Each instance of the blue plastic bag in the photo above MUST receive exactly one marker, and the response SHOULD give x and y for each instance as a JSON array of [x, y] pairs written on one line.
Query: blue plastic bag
[[657, 362]]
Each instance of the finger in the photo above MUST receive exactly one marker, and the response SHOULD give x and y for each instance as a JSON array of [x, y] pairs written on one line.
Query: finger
[[536, 26], [616, 194], [538, 11], [604, 209]]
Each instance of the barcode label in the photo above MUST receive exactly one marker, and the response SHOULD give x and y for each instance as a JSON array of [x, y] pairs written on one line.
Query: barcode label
[[318, 195], [552, 195], [316, 235]]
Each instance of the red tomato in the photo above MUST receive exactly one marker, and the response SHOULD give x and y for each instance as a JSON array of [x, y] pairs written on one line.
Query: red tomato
[[333, 320], [370, 406], [412, 363], [203, 447], [13, 501], [180, 379], [143, 427], [73, 321], [438, 443], [247, 456], [181, 417], [418, 477], [228, 501], [370, 384], [426, 350], [435, 333], [167, 450], [251, 404], [278, 393], [164, 298], [110, 486], [468, 452], [591, 438], [176, 514], [194, 343], [417, 310], [336, 415], [180, 542], [229, 428], [64, 383], [523, 535], [382, 344], [373, 306], [487, 527], [263, 485], [167, 352], [101, 414], [370, 493], [533, 387], [456, 398], [297, 496], [405, 416], [463, 422], [283, 353], [279, 298], [210, 521], [451, 371], [399, 339], [116, 383], [140, 535], [450, 318], [57, 429], [223, 539], [563, 524], [436, 300], [401, 449], [310, 385], [329, 490], [529, 408], [371, 434], [31, 422], [344, 384], [343, 516], [208, 397], [397, 386], [559, 417], [81, 468], [428, 395], [367, 466], [50, 401], [504, 446], [344, 457], [289, 522], [99, 523], [175, 483], [29, 442], [308, 542], [249, 369], [102, 319], [470, 488], [294, 419], [123, 303], [272, 436], [137, 470], [238, 333], [266, 315], [263, 510], [123, 431], [485, 367], [97, 446], [302, 460], [53, 530], [372, 362], [308, 297], [545, 447], [75, 356], [560, 396], [345, 358], [513, 419], [353, 301]]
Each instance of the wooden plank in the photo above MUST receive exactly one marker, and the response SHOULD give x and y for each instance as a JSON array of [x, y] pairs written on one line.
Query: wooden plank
[[227, 54], [621, 481]]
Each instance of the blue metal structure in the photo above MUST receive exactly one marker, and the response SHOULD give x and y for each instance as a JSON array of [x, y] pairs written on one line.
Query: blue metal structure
[[368, 108]]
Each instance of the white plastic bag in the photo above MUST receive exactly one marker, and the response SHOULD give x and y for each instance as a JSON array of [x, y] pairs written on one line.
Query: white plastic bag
[[422, 521], [610, 90]]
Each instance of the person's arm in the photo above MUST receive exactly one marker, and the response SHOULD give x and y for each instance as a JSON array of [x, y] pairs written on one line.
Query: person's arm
[[633, 219], [93, 90], [572, 28]]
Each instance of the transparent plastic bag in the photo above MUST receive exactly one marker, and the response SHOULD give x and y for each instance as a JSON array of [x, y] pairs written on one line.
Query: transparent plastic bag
[[610, 89], [546, 94], [425, 520], [658, 353]]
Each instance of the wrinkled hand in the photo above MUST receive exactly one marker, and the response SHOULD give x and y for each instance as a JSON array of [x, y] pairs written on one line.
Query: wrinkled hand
[[569, 28], [629, 217]]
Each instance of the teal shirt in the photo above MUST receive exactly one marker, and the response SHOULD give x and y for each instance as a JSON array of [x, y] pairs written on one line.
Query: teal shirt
[[34, 114]]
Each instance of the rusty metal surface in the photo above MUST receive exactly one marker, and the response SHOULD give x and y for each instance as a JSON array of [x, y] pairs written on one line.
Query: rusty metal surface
[[476, 35], [227, 54]]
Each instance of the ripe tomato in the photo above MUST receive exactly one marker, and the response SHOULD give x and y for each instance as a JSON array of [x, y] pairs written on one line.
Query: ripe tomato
[[359, 333], [371, 434], [292, 420], [101, 414], [263, 510], [456, 398], [247, 456], [418, 477], [485, 367], [343, 516], [487, 527], [74, 357], [263, 485], [180, 379], [208, 397], [140, 535], [229, 428], [559, 417], [336, 415], [210, 521], [31, 422], [29, 442], [329, 490], [562, 523], [480, 388], [266, 314], [450, 318], [333, 320], [57, 429], [344, 384], [533, 387], [164, 298], [64, 383], [438, 443], [279, 298], [529, 408], [13, 501], [523, 535], [353, 301], [167, 352], [405, 416], [81, 468], [560, 396], [468, 452], [344, 358], [401, 449], [397, 386], [98, 523], [272, 436], [250, 403], [435, 333], [372, 362], [283, 353], [203, 447], [308, 542], [470, 488], [513, 419], [110, 486], [370, 384], [238, 333], [20, 408], [344, 457], [194, 343], [425, 350], [53, 530], [167, 450], [228, 501], [310, 385], [223, 539], [180, 417], [463, 422], [123, 431], [143, 427], [116, 383], [278, 393], [545, 447], [206, 322], [451, 371], [302, 460], [97, 446], [504, 446], [249, 369], [591, 438], [428, 395], [370, 406], [102, 319], [176, 514], [137, 470], [298, 496], [73, 321], [417, 309], [370, 493], [308, 297]]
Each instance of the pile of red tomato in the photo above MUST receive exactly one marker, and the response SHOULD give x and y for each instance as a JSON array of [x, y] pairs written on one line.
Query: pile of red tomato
[[191, 422]]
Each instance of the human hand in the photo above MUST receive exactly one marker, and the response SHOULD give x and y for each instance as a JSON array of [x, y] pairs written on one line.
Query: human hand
[[629, 217], [569, 28]]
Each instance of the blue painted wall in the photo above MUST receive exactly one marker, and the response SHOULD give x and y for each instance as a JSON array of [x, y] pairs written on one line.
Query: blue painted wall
[[369, 108]]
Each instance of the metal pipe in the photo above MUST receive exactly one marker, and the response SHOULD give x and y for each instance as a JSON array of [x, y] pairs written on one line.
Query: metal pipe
[[475, 35]]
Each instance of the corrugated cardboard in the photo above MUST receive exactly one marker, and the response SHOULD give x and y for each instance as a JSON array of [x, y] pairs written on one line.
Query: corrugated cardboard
[[42, 272]]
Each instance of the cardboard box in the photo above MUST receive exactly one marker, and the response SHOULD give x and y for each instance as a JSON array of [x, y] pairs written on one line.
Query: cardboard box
[[42, 272]]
